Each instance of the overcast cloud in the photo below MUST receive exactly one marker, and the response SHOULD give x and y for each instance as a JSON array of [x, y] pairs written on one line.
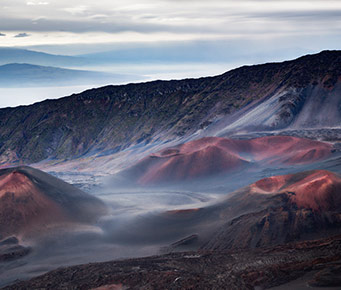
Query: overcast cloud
[[58, 21]]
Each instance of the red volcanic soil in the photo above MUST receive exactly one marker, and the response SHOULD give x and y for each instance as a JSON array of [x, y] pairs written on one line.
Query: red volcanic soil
[[280, 209], [182, 211], [271, 184], [319, 190], [272, 211], [31, 200], [213, 155], [205, 161], [22, 205]]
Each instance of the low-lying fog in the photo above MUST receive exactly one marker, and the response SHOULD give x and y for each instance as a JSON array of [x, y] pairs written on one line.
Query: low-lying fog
[[131, 228], [15, 96], [138, 222], [11, 97]]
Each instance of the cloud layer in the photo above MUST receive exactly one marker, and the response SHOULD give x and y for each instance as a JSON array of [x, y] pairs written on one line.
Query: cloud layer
[[110, 20]]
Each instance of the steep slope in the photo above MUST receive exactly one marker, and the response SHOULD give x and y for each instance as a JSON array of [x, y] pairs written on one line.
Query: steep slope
[[211, 156], [279, 210], [31, 200], [312, 107], [110, 119]]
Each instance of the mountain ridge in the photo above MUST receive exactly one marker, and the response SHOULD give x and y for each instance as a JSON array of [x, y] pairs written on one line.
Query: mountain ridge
[[10, 55], [113, 118], [30, 75]]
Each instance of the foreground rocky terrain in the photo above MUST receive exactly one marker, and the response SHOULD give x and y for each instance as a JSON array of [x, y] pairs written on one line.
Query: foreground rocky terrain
[[252, 269]]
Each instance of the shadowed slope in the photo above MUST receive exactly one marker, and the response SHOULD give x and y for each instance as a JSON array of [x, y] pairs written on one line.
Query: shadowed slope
[[280, 209], [212, 155], [33, 200], [272, 211]]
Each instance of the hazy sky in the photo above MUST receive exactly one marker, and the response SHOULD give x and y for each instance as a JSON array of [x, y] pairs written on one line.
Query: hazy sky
[[227, 32]]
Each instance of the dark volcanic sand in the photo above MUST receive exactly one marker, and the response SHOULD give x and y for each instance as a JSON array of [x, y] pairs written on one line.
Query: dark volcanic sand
[[264, 267]]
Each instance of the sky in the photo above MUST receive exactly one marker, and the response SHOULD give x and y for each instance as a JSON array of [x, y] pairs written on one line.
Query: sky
[[225, 32], [62, 22]]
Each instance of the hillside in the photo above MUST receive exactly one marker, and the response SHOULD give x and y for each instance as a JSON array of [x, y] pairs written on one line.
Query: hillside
[[28, 75], [15, 55], [110, 119], [271, 211], [212, 156], [31, 201], [279, 210]]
